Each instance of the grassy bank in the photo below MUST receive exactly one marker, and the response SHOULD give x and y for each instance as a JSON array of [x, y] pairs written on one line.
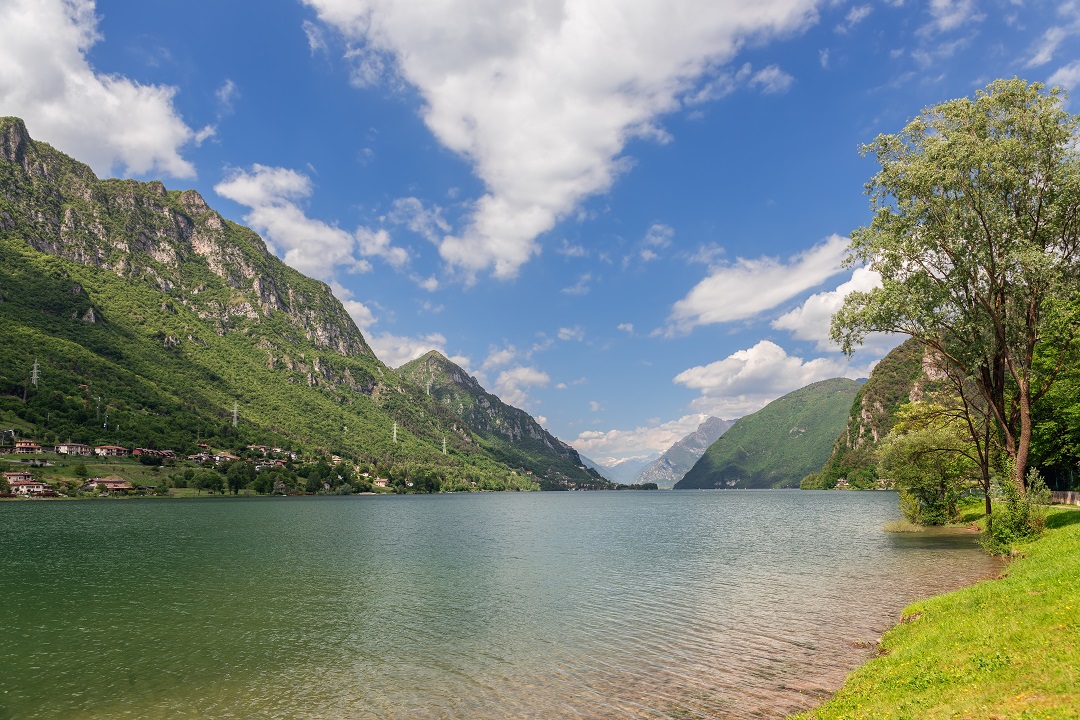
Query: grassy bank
[[1005, 648]]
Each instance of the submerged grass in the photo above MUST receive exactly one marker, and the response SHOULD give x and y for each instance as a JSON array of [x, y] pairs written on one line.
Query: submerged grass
[[1005, 648]]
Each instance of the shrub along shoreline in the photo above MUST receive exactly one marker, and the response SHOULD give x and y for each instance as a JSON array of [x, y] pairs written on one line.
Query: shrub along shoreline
[[1003, 648]]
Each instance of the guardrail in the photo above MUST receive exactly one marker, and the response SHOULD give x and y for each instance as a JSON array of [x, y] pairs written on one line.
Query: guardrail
[[1066, 497]]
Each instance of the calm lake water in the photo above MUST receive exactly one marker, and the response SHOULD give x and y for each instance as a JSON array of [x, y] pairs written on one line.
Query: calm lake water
[[736, 604]]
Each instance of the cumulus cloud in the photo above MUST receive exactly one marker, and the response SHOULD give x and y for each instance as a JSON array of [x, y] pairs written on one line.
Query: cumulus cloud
[[512, 386], [500, 357], [748, 287], [747, 380], [811, 320], [273, 196], [541, 142], [108, 121], [626, 327], [642, 440], [396, 350]]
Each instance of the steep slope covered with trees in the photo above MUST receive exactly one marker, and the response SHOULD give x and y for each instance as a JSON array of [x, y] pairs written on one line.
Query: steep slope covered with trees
[[900, 377], [150, 318], [508, 433], [778, 445]]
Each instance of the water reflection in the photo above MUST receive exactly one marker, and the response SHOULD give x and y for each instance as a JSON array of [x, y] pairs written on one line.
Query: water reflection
[[605, 605]]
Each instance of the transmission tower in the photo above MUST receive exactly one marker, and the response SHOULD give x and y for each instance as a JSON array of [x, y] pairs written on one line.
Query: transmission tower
[[235, 407], [395, 432], [34, 374]]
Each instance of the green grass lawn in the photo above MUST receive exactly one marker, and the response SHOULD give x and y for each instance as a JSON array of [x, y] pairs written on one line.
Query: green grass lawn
[[1004, 648]]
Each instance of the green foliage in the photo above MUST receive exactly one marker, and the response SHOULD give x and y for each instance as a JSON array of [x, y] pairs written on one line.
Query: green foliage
[[1004, 648], [929, 458], [1017, 517], [873, 413], [151, 316], [780, 444], [976, 238]]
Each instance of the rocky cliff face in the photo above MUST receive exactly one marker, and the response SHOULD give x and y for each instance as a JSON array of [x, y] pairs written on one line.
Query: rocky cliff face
[[171, 240], [905, 375], [670, 467]]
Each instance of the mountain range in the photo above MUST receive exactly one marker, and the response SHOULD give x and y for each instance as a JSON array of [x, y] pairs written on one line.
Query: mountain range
[[138, 315]]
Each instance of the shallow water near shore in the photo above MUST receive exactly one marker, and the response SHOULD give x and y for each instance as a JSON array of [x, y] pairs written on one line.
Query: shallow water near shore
[[728, 604]]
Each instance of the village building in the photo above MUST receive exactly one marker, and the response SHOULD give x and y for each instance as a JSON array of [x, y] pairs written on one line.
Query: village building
[[111, 451], [27, 447], [164, 454], [109, 484], [18, 476], [381, 482], [70, 448], [31, 487]]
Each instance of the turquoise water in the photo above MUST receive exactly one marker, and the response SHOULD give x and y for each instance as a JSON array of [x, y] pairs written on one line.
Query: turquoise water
[[737, 604]]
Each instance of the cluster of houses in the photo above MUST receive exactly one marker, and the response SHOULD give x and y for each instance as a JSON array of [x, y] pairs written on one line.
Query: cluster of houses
[[29, 447], [23, 484]]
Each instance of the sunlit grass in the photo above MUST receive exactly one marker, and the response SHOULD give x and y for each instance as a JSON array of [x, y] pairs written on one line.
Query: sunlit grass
[[1005, 648]]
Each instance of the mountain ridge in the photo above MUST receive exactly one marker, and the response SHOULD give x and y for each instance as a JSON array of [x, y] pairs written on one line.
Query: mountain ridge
[[778, 445]]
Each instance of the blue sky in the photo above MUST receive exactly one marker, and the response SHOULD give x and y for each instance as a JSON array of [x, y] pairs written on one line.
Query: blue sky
[[621, 215]]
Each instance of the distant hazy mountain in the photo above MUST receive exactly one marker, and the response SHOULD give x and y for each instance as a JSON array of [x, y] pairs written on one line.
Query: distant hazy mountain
[[780, 444], [625, 470], [670, 467]]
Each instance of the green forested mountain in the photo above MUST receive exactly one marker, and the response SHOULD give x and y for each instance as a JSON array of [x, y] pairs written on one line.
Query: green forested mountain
[[778, 445], [511, 435], [150, 318], [900, 377]]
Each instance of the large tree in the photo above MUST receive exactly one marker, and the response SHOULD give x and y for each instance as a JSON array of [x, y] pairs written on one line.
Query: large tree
[[976, 236]]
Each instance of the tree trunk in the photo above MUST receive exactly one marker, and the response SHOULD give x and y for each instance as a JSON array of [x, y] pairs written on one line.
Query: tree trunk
[[1023, 446]]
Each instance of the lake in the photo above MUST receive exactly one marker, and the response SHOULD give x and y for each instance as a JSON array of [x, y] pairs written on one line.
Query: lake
[[727, 604]]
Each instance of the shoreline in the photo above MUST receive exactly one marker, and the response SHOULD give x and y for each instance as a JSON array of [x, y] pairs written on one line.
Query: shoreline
[[1006, 647]]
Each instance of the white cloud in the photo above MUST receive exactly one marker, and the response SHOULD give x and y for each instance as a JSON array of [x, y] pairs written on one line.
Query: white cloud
[[396, 350], [1067, 77], [426, 222], [499, 357], [108, 121], [747, 380], [574, 333], [854, 16], [811, 320], [638, 441], [226, 94], [309, 245], [626, 327], [747, 287], [1048, 45], [772, 80], [541, 142], [581, 287], [512, 386], [569, 250], [595, 406], [947, 15], [315, 39]]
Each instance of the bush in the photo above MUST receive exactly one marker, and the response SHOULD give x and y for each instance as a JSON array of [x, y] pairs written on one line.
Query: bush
[[1017, 517]]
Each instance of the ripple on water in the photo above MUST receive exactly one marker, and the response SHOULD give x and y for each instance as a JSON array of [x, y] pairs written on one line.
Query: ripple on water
[[600, 605]]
